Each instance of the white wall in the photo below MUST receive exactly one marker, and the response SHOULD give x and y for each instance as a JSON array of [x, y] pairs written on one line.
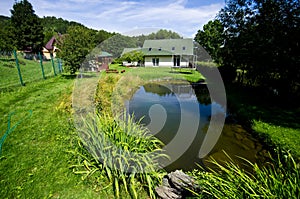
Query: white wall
[[163, 61]]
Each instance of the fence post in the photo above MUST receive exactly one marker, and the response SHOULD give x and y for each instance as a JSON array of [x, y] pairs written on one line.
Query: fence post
[[41, 62], [53, 64], [59, 66], [18, 67]]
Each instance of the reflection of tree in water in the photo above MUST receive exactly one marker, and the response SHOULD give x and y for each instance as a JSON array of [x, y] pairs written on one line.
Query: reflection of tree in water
[[202, 94], [181, 90]]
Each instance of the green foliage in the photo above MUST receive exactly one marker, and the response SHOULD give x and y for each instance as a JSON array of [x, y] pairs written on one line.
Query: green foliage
[[161, 34], [116, 44], [164, 34], [123, 151], [27, 28], [279, 179], [7, 42], [211, 38], [74, 47], [133, 56], [262, 39]]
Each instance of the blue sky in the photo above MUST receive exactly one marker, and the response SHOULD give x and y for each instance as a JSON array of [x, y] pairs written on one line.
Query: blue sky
[[183, 16]]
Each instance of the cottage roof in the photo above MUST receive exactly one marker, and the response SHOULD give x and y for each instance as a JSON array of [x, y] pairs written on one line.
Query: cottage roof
[[50, 43], [175, 46]]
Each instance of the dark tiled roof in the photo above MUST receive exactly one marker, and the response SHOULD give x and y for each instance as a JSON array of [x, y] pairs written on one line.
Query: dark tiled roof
[[50, 44]]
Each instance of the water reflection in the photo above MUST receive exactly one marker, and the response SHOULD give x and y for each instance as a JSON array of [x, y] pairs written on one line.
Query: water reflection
[[179, 114]]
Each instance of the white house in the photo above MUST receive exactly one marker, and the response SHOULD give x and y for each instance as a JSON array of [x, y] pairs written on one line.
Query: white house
[[167, 52]]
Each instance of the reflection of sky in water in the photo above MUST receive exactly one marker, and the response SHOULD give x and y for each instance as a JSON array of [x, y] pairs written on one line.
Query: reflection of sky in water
[[182, 102]]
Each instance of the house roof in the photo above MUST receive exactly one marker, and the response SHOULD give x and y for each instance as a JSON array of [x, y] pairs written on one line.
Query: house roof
[[175, 46], [50, 43], [149, 51], [155, 52]]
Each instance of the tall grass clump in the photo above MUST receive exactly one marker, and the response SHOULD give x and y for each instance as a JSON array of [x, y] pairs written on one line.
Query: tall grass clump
[[122, 151], [279, 179]]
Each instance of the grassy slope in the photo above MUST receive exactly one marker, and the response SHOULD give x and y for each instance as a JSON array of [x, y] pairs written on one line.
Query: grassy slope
[[35, 162], [30, 70]]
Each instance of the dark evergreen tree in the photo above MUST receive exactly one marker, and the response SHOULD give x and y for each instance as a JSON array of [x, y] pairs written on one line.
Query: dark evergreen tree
[[27, 28]]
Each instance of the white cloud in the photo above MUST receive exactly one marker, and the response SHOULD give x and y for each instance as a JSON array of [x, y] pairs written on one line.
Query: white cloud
[[123, 16]]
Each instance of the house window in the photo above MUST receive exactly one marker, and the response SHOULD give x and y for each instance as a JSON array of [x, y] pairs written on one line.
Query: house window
[[173, 48], [183, 48], [155, 61]]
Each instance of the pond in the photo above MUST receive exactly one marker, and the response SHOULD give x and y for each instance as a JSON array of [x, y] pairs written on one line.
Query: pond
[[179, 115]]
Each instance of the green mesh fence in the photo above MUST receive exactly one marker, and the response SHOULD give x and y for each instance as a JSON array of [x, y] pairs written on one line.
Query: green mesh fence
[[30, 70]]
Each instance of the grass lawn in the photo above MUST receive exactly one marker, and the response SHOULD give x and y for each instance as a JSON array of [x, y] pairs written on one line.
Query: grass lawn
[[148, 73], [35, 162]]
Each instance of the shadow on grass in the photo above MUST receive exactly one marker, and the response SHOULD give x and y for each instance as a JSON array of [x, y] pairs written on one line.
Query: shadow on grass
[[68, 76], [257, 104], [182, 72]]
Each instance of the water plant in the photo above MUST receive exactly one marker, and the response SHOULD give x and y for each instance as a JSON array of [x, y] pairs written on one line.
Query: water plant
[[280, 178], [121, 150]]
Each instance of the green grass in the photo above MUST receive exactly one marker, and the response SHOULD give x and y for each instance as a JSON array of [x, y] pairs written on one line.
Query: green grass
[[149, 73], [35, 162], [30, 70]]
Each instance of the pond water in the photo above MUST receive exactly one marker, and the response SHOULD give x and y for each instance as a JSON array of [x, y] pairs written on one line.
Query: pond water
[[179, 115]]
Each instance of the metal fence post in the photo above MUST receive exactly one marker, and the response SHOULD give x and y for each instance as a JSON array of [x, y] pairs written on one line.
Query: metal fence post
[[18, 67], [42, 67], [53, 64]]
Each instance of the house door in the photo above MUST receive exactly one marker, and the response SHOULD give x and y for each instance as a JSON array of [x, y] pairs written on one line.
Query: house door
[[155, 61], [176, 60]]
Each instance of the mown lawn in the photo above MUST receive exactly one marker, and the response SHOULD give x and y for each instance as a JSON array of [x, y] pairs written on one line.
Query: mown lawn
[[148, 73], [35, 162]]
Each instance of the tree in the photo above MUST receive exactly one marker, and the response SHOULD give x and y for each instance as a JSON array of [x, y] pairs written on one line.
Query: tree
[[133, 56], [211, 38], [74, 47], [28, 31], [262, 38], [7, 42]]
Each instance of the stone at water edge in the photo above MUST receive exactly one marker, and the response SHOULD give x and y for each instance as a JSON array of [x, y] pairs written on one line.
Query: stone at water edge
[[175, 185]]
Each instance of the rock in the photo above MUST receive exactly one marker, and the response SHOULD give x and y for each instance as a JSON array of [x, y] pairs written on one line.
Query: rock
[[167, 193], [181, 181], [165, 182], [175, 185]]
